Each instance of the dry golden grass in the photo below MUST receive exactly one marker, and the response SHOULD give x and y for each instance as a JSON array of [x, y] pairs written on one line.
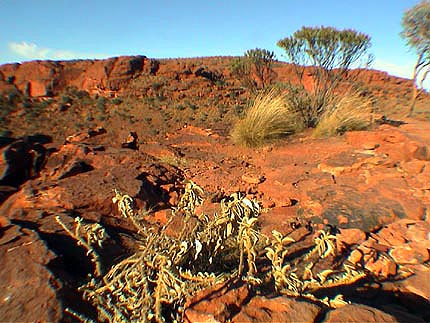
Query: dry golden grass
[[268, 118], [346, 112]]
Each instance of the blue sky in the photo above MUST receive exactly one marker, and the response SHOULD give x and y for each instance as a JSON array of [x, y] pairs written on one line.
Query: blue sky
[[63, 29]]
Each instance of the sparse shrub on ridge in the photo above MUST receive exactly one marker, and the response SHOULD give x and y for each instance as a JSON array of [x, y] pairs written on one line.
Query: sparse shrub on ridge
[[332, 52], [255, 68], [268, 118], [347, 112]]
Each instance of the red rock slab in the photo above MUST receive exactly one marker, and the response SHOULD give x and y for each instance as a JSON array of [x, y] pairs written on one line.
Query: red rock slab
[[351, 236], [356, 313], [412, 253], [418, 283], [279, 309], [28, 290], [216, 304]]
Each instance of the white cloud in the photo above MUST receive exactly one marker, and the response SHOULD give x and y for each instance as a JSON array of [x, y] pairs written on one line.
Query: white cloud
[[29, 50]]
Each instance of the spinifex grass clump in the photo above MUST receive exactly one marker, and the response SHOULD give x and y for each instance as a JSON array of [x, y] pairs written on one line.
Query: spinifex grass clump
[[153, 284], [347, 112], [269, 117]]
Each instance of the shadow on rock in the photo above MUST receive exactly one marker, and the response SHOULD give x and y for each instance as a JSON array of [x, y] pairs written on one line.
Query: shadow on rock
[[22, 158], [159, 186]]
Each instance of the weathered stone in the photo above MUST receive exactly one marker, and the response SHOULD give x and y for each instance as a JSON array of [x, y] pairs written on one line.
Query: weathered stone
[[45, 78], [217, 304], [131, 141], [252, 179], [410, 254], [279, 309], [355, 256], [74, 168], [193, 316], [419, 282], [355, 313], [351, 236], [21, 160], [28, 290], [383, 267]]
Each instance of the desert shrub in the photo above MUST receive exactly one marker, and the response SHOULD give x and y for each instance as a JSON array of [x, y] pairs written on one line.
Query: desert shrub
[[238, 110], [154, 283], [332, 53], [117, 101], [101, 103], [13, 97], [347, 112], [242, 70], [65, 99], [215, 77], [193, 107], [416, 32], [255, 68], [268, 118]]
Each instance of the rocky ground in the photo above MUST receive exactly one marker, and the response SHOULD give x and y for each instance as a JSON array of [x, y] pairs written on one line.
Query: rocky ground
[[372, 188]]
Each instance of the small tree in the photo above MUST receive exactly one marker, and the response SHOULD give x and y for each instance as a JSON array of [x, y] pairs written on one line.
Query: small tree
[[241, 69], [262, 63], [255, 68], [416, 32], [332, 53]]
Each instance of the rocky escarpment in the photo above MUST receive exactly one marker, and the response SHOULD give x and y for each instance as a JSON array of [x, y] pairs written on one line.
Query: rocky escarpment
[[113, 76], [48, 78]]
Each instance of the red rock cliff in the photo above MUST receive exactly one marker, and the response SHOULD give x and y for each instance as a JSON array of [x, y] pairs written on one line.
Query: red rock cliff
[[46, 78]]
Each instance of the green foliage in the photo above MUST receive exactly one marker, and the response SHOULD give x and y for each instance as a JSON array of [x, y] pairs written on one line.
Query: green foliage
[[101, 103], [117, 101], [6, 108], [262, 63], [416, 32], [10, 79], [416, 27], [255, 68], [65, 99], [241, 69], [332, 53]]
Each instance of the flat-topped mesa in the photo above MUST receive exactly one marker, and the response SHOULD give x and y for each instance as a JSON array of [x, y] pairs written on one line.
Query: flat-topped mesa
[[48, 78]]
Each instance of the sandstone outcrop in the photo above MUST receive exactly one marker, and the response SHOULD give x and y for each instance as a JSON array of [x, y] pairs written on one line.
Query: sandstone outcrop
[[47, 78]]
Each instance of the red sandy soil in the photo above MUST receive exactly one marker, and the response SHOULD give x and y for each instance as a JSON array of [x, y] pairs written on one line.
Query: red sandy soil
[[374, 185]]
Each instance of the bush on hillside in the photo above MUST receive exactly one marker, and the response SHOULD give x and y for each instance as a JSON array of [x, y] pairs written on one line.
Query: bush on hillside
[[255, 68], [332, 53]]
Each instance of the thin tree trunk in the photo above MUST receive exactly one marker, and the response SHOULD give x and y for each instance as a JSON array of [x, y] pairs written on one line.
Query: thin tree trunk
[[415, 91], [415, 94]]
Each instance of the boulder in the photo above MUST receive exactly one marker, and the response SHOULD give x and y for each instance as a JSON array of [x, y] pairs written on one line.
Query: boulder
[[29, 292], [356, 313], [278, 309]]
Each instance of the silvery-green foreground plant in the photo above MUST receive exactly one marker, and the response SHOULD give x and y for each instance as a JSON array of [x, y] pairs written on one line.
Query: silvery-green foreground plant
[[153, 284]]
